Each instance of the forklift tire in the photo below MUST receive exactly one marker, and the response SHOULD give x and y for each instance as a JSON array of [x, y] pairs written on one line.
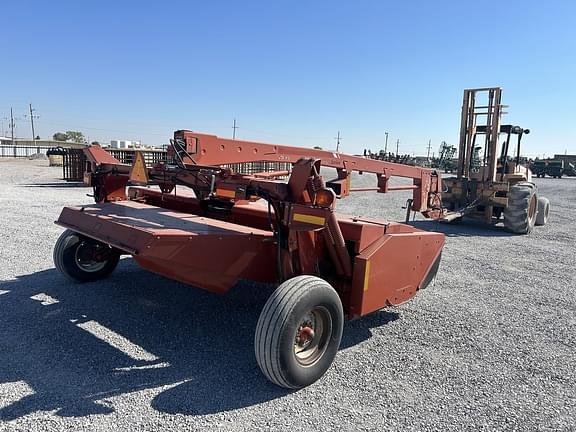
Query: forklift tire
[[299, 331], [520, 214], [82, 259], [543, 211]]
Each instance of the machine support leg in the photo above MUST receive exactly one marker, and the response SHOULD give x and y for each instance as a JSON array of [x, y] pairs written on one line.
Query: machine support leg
[[408, 208]]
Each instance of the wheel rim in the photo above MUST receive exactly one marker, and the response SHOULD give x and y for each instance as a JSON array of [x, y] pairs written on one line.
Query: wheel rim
[[533, 206], [90, 257], [312, 335]]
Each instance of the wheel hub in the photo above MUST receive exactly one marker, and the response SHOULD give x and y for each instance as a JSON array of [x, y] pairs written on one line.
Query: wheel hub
[[305, 336], [312, 335], [91, 257]]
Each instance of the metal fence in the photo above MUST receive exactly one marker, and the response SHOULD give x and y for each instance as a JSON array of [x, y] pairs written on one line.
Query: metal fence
[[258, 167], [17, 151], [74, 165], [74, 162], [151, 157]]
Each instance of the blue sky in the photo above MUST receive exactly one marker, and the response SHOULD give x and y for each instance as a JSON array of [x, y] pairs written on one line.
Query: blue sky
[[290, 72]]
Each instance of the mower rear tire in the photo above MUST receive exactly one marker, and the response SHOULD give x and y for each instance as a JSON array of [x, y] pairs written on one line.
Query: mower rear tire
[[299, 332], [543, 211], [82, 259], [520, 214]]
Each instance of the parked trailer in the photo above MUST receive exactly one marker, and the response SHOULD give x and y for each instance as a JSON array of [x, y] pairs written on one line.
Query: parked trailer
[[328, 266]]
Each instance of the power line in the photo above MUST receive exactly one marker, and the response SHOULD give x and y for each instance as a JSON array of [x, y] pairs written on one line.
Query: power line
[[68, 126], [284, 135]]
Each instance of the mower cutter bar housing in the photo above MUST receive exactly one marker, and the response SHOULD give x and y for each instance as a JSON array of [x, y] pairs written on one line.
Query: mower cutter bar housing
[[391, 261]]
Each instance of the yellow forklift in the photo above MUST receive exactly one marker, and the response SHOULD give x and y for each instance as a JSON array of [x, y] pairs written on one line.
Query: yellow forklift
[[491, 184]]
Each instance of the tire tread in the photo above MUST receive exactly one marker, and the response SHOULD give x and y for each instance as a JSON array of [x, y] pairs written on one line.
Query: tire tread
[[273, 319]]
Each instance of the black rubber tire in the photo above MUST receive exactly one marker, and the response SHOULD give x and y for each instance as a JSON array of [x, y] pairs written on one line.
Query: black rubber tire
[[543, 211], [279, 324], [430, 279], [520, 214], [66, 261]]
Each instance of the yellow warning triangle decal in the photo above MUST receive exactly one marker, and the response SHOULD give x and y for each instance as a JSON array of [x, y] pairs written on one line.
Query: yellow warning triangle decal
[[138, 171]]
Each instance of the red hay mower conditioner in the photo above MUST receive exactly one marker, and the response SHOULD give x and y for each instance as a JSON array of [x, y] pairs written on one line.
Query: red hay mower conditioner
[[328, 266]]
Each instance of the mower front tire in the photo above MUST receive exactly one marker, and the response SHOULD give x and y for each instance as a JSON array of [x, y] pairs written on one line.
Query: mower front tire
[[82, 259], [299, 331]]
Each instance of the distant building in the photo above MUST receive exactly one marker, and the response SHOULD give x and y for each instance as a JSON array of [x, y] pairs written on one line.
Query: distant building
[[124, 144], [566, 158]]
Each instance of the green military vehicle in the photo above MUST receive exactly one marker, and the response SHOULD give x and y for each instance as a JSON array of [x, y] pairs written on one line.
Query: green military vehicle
[[555, 168], [569, 169], [539, 168]]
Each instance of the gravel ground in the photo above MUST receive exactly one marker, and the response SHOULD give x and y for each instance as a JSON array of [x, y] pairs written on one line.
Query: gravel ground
[[490, 347]]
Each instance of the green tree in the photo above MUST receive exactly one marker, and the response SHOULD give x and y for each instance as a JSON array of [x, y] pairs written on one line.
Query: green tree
[[60, 136], [76, 136]]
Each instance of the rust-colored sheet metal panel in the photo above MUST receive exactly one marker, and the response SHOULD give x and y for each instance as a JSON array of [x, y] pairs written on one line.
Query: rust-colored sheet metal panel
[[392, 269], [208, 149], [362, 231], [98, 155], [94, 221], [253, 215], [207, 253], [213, 263]]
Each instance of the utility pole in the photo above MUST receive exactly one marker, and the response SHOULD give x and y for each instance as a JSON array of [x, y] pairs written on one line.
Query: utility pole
[[386, 143], [429, 146], [337, 142], [397, 146], [12, 125], [32, 117], [234, 127]]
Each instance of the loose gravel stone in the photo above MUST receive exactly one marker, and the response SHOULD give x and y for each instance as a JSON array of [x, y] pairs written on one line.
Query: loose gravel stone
[[492, 346]]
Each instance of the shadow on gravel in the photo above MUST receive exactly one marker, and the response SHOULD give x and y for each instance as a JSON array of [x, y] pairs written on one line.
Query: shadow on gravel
[[465, 228], [198, 344], [360, 330], [55, 185]]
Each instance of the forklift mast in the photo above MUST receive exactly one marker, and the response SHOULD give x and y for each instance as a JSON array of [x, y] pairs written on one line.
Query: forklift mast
[[482, 110]]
